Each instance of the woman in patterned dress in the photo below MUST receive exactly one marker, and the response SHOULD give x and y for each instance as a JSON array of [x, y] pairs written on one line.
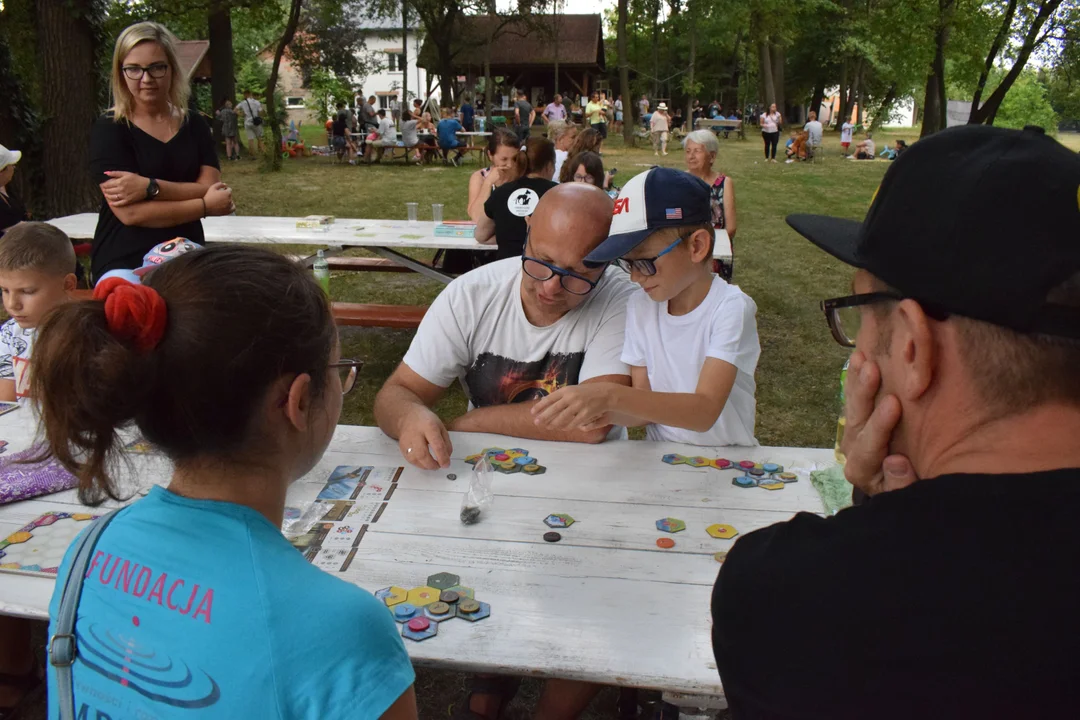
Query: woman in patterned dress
[[701, 148]]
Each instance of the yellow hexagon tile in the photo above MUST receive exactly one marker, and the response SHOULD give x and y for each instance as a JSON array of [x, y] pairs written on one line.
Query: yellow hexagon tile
[[423, 595], [392, 596], [772, 485], [724, 532]]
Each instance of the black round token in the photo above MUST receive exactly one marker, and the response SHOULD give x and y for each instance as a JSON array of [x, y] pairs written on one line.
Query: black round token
[[451, 476], [552, 536]]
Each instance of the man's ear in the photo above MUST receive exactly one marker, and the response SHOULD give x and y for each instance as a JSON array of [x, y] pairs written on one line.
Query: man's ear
[[913, 339]]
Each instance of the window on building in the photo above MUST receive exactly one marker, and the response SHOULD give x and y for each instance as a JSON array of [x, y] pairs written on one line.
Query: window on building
[[293, 103], [395, 62]]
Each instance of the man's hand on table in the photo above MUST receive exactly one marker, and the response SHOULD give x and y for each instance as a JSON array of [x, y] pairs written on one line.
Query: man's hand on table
[[424, 440], [868, 430]]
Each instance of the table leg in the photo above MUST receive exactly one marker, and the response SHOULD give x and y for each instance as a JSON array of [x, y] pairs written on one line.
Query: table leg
[[414, 265]]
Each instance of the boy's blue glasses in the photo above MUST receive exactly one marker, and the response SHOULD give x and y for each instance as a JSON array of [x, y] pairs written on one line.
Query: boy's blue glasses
[[647, 266]]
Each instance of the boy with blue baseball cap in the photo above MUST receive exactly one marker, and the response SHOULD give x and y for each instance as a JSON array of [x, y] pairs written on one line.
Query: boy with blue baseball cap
[[691, 338]]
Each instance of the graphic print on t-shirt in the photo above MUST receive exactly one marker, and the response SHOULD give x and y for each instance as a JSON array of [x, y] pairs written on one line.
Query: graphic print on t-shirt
[[522, 202], [497, 380]]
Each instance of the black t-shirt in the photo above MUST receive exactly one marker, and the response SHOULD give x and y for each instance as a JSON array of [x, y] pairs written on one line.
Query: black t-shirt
[[341, 121], [524, 109], [12, 212], [508, 206], [956, 597], [120, 146]]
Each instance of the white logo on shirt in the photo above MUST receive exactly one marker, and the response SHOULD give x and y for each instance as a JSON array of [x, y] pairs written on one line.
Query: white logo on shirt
[[522, 202]]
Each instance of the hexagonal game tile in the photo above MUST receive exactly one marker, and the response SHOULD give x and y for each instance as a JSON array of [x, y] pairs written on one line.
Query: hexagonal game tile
[[523, 451], [673, 459], [534, 469], [443, 580], [423, 595], [559, 520], [744, 481], [771, 485], [463, 592], [419, 629], [724, 532], [393, 595], [483, 611], [440, 611], [721, 463], [698, 461], [670, 525], [772, 467]]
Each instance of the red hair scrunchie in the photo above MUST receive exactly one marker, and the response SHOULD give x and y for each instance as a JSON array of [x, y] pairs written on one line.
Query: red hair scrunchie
[[133, 312]]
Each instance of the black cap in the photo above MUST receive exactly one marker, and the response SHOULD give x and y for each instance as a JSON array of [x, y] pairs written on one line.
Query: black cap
[[978, 221]]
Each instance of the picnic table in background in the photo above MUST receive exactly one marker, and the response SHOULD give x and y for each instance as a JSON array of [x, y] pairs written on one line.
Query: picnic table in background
[[604, 604], [721, 125]]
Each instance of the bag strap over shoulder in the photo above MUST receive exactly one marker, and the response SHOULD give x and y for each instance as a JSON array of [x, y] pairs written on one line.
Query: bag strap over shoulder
[[62, 650]]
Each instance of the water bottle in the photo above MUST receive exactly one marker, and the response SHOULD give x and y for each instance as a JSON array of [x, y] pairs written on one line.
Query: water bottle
[[322, 272], [841, 421]]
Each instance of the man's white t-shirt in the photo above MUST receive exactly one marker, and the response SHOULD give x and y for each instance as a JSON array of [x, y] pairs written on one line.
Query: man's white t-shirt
[[560, 158], [252, 109], [16, 344], [476, 332], [845, 132], [658, 122], [673, 348]]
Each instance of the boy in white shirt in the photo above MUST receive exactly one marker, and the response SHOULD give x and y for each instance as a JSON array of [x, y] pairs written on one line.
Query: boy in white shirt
[[845, 136], [691, 338]]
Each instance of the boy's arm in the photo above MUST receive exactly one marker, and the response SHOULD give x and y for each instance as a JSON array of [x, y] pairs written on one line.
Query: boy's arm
[[582, 407]]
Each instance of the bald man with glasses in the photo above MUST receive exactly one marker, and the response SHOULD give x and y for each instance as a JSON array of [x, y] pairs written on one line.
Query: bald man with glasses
[[512, 332]]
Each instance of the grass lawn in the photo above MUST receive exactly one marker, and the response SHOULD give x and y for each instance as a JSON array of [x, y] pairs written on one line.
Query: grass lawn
[[798, 376]]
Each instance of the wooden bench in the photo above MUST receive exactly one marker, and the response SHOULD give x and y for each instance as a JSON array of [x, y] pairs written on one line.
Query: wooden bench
[[368, 264], [371, 315], [427, 152], [352, 314], [722, 126]]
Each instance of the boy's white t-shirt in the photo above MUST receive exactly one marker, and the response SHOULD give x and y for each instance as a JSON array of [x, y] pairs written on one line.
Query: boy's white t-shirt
[[845, 132], [673, 349], [16, 343], [476, 332]]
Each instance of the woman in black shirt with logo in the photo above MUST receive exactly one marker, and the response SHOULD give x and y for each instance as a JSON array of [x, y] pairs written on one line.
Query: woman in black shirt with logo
[[508, 206], [155, 162]]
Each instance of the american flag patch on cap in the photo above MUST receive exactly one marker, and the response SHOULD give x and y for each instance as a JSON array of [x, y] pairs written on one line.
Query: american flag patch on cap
[[673, 214]]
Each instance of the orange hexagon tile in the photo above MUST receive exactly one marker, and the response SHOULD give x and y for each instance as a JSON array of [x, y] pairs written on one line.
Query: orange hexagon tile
[[423, 595], [724, 532]]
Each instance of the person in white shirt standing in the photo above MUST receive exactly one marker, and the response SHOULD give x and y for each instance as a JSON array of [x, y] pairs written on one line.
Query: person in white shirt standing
[[514, 331], [771, 123], [845, 136], [659, 126], [253, 122], [691, 338]]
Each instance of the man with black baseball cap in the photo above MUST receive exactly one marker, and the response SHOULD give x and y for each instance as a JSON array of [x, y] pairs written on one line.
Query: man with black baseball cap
[[953, 590]]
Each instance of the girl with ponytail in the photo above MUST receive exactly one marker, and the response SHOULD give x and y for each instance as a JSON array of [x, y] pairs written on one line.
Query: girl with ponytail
[[505, 211], [227, 360]]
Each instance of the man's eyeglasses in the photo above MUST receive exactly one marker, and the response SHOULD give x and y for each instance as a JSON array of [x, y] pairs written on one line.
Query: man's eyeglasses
[[543, 271], [647, 266], [845, 317], [136, 72], [347, 370]]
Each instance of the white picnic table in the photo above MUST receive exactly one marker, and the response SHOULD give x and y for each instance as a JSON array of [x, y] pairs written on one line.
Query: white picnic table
[[605, 604], [385, 238]]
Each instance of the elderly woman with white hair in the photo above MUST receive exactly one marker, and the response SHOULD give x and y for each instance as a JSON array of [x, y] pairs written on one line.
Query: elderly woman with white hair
[[701, 148]]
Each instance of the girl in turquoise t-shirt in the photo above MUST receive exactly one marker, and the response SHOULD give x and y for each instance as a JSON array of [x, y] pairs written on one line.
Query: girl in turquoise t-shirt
[[195, 605]]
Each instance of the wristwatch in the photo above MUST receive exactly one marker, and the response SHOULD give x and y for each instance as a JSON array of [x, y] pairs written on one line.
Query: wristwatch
[[152, 189]]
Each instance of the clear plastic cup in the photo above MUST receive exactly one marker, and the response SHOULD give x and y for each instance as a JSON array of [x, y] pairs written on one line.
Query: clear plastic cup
[[413, 209], [436, 212]]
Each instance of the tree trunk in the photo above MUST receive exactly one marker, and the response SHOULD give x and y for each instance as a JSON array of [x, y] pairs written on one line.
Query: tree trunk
[[1033, 39], [818, 97], [690, 69], [778, 78], [935, 105], [405, 58], [219, 32], [853, 91], [271, 84], [765, 73], [555, 46], [69, 103], [991, 55], [624, 76], [655, 49], [843, 112], [861, 104]]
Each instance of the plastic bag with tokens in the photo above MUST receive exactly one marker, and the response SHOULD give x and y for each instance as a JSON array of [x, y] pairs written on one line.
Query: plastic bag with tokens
[[20, 480], [478, 498]]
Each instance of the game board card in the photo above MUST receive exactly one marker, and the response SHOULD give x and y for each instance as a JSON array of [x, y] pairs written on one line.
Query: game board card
[[39, 547], [336, 510], [384, 475], [371, 491], [333, 559], [6, 407], [364, 512], [343, 483], [20, 480], [313, 538], [343, 535]]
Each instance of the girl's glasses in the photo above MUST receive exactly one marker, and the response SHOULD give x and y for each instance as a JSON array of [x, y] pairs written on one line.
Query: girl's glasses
[[136, 72]]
